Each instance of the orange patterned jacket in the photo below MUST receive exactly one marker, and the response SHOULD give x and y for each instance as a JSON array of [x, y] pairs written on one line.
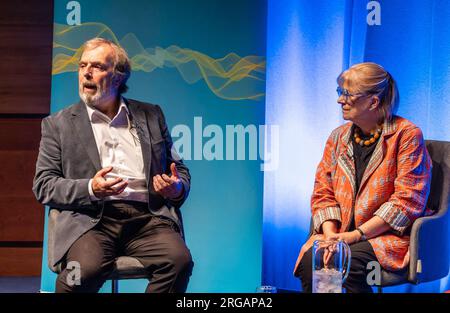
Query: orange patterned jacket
[[395, 187]]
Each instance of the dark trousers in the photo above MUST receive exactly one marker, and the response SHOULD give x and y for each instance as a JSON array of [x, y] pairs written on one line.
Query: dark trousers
[[128, 229], [362, 254]]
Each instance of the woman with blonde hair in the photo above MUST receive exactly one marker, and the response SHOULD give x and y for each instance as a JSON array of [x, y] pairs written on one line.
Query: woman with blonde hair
[[373, 180]]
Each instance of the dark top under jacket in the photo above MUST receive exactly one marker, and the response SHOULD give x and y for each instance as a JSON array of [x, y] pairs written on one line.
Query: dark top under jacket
[[361, 157]]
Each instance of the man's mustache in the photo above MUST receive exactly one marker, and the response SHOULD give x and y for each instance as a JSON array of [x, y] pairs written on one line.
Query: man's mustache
[[89, 85]]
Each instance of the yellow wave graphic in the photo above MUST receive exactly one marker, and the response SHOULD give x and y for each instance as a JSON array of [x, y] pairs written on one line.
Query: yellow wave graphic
[[231, 77]]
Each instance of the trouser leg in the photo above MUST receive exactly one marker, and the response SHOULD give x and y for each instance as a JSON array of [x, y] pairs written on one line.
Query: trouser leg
[[160, 248], [88, 262], [305, 271], [362, 254]]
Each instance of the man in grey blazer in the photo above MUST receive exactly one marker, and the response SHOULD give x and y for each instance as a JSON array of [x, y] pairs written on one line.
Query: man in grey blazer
[[107, 164]]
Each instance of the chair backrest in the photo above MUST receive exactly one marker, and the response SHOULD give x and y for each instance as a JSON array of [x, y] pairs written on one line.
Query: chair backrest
[[439, 198], [429, 235]]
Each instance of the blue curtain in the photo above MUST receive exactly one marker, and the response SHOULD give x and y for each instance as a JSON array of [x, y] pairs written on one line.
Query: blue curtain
[[309, 43]]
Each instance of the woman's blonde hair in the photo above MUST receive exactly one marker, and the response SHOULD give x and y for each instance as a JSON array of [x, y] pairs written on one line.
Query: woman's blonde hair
[[121, 65], [371, 78]]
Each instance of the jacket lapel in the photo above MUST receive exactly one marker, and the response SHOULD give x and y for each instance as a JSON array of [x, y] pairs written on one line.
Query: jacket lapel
[[139, 120], [345, 159], [82, 125], [379, 152]]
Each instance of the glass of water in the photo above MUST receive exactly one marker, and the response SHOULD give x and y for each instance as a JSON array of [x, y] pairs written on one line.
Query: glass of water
[[331, 264]]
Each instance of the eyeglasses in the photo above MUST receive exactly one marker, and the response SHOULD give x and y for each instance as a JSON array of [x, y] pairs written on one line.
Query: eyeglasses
[[344, 92]]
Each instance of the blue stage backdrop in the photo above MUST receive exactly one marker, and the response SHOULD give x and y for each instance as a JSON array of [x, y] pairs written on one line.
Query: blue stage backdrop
[[204, 63], [309, 43]]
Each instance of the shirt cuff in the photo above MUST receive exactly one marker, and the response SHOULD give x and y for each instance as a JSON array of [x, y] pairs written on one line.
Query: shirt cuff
[[326, 214], [395, 217], [91, 192]]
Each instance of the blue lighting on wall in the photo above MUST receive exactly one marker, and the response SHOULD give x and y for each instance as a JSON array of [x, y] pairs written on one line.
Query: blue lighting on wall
[[309, 43]]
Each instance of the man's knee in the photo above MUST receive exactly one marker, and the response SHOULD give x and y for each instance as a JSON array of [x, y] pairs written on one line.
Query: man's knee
[[85, 270], [80, 277], [181, 259]]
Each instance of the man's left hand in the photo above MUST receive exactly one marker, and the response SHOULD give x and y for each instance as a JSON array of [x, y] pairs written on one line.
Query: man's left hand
[[170, 187]]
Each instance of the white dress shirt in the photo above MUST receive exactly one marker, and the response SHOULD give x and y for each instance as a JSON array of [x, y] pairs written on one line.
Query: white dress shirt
[[118, 146]]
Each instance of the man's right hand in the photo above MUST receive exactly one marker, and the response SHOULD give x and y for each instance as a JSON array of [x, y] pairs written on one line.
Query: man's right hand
[[102, 187]]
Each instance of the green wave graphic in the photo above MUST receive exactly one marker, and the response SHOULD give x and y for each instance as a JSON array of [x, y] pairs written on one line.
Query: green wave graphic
[[232, 77]]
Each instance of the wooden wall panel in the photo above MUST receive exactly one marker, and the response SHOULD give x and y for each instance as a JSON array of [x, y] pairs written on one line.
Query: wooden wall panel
[[26, 52], [21, 216], [20, 261], [22, 219], [20, 134]]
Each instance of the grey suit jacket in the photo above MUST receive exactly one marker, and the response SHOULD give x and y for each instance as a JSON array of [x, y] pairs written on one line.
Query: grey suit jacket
[[68, 158]]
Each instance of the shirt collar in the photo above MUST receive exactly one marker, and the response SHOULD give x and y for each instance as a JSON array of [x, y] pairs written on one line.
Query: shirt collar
[[95, 116]]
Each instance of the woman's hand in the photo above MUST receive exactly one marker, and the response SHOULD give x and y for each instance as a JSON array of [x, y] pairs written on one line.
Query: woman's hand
[[329, 229], [330, 235], [348, 237]]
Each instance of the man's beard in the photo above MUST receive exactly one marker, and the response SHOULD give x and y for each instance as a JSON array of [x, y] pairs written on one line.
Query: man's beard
[[92, 100]]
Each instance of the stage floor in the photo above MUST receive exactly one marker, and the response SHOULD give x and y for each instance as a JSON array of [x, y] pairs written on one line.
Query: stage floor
[[20, 284]]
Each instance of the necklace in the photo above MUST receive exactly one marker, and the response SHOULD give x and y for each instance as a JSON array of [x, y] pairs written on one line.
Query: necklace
[[374, 135]]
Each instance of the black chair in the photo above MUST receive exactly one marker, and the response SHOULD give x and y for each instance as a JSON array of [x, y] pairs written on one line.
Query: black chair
[[124, 267], [429, 242]]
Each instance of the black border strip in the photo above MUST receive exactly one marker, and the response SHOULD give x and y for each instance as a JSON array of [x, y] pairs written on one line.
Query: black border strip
[[23, 116], [21, 244]]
